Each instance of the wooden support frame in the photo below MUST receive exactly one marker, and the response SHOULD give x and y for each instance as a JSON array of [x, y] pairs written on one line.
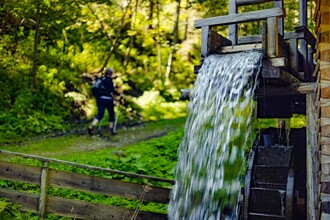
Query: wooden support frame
[[300, 33], [239, 18]]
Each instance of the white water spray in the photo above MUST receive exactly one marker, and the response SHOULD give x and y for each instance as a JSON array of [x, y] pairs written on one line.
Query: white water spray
[[211, 154]]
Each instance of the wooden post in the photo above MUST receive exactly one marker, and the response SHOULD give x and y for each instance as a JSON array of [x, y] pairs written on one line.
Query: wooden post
[[312, 158], [205, 41], [272, 37], [232, 32], [303, 43], [294, 56], [43, 190], [279, 4]]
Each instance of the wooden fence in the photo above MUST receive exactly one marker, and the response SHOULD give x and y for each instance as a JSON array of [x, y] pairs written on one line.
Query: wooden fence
[[47, 177]]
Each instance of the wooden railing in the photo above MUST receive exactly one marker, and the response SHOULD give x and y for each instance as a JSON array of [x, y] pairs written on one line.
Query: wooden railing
[[47, 177]]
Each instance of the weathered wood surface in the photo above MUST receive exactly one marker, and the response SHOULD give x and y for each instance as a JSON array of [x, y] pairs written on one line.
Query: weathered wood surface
[[43, 190], [238, 18], [239, 48], [251, 2], [312, 159], [322, 55], [323, 52], [108, 186], [75, 208], [134, 175], [216, 41], [82, 182]]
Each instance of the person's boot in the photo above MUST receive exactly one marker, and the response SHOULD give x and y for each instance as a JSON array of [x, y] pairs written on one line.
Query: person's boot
[[112, 131], [89, 130]]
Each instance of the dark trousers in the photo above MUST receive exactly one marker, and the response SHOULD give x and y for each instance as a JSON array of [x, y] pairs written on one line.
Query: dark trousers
[[103, 104]]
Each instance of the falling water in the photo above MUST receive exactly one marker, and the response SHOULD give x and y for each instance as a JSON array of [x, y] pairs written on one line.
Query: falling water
[[211, 154]]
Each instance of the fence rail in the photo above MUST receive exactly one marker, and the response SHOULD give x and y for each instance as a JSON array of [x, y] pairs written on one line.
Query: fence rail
[[47, 177]]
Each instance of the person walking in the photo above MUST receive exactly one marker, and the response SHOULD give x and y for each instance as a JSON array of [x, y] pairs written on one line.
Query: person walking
[[105, 101]]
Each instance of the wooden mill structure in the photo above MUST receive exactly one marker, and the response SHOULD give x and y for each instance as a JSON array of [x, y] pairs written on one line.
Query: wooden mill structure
[[293, 183]]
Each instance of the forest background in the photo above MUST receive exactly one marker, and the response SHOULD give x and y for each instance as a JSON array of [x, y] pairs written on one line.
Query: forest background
[[52, 50]]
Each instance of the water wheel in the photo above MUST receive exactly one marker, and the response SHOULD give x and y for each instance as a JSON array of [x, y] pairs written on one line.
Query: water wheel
[[269, 180]]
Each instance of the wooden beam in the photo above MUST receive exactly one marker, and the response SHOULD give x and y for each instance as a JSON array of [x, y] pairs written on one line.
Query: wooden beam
[[276, 62], [77, 209], [134, 175], [215, 41], [312, 159], [300, 33], [251, 2], [239, 18], [240, 48]]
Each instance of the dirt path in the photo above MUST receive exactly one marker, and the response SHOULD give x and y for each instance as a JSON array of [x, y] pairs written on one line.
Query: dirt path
[[78, 140]]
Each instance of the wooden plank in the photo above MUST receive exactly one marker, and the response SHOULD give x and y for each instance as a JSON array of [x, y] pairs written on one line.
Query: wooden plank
[[239, 18], [325, 169], [324, 159], [27, 201], [325, 89], [325, 131], [107, 186], [251, 2], [76, 209], [134, 175], [324, 121], [277, 62], [300, 33], [325, 111], [240, 48], [324, 49], [325, 149], [17, 172], [306, 88], [87, 210], [215, 41], [324, 140]]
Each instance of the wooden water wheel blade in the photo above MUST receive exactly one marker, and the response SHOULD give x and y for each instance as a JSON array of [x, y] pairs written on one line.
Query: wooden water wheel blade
[[270, 201], [269, 185], [270, 174], [274, 156], [263, 216]]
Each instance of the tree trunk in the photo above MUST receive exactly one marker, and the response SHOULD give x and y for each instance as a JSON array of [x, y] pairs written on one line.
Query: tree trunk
[[114, 42], [159, 54], [35, 53], [175, 41], [127, 56]]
